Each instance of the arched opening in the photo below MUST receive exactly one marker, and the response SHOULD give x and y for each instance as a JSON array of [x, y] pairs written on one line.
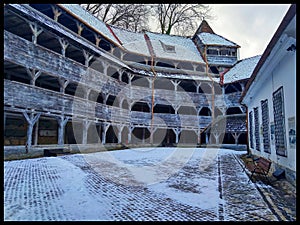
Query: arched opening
[[94, 133], [112, 71], [243, 138], [140, 81], [73, 135], [49, 41], [74, 90], [125, 104], [159, 108], [187, 110], [218, 112], [75, 53], [205, 88], [205, 111], [228, 139], [188, 137], [124, 77], [15, 72], [164, 137], [97, 65], [112, 101], [105, 45], [48, 82], [111, 135], [234, 110], [139, 135], [164, 64], [185, 66], [217, 89], [15, 130], [188, 85], [165, 84], [124, 135], [141, 107], [233, 87]]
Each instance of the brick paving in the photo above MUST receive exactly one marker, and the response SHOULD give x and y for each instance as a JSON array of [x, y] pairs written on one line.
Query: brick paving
[[32, 192]]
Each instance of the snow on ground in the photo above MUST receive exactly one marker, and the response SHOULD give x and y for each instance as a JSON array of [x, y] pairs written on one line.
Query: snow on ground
[[133, 184]]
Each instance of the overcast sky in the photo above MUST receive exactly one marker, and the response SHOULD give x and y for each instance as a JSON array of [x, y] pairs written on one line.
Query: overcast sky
[[251, 26]]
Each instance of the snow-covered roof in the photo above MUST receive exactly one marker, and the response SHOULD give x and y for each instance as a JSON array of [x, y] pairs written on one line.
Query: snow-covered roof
[[185, 49], [89, 19], [214, 39], [132, 41], [241, 70]]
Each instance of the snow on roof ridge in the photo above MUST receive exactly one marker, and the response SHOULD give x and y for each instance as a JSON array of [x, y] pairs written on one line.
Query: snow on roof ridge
[[214, 34]]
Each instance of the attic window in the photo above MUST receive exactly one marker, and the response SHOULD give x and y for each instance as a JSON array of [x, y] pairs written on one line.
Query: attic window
[[168, 48]]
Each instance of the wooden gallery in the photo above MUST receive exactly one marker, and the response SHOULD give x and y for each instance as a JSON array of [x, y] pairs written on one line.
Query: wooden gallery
[[75, 83]]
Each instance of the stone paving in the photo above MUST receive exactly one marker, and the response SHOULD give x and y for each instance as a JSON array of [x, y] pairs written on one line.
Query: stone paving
[[40, 198]]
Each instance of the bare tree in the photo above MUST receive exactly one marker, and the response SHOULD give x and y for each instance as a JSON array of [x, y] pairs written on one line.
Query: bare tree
[[133, 17], [182, 18]]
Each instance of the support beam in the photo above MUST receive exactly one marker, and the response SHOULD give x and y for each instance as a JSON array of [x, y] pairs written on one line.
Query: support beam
[[86, 125], [87, 57], [130, 129], [236, 136], [56, 13], [31, 120], [36, 31], [36, 133], [79, 27], [63, 83], [105, 127], [175, 83], [34, 75], [64, 44], [177, 131], [62, 121]]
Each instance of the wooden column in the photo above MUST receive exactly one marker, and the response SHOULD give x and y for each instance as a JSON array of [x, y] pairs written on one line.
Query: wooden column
[[36, 31], [175, 83], [62, 121], [177, 131], [105, 127], [86, 125], [63, 83], [130, 129], [87, 57], [34, 74], [79, 27], [64, 44], [31, 120], [206, 138], [236, 137], [56, 13]]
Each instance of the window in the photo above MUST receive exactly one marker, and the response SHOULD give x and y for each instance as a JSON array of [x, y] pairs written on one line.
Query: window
[[168, 48], [256, 129], [265, 125], [278, 106], [251, 129], [212, 52]]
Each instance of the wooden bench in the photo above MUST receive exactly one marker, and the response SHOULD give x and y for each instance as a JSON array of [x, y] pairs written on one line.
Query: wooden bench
[[260, 166]]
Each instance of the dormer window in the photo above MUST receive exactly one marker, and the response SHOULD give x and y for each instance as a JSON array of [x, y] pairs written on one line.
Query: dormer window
[[168, 48]]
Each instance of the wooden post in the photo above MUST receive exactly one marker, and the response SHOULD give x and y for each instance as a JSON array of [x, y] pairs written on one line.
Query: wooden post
[[56, 13], [62, 121], [177, 131], [64, 44], [36, 31], [97, 40], [33, 74], [86, 125], [63, 84], [31, 120], [104, 130], [79, 27], [130, 129], [87, 57], [236, 137]]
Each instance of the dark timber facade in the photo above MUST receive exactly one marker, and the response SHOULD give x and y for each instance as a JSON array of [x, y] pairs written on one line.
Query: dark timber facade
[[69, 85]]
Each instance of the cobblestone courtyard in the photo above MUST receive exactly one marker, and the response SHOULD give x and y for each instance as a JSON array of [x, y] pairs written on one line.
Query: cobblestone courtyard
[[209, 186]]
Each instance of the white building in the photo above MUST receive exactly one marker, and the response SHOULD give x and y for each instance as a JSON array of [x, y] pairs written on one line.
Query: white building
[[270, 96]]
